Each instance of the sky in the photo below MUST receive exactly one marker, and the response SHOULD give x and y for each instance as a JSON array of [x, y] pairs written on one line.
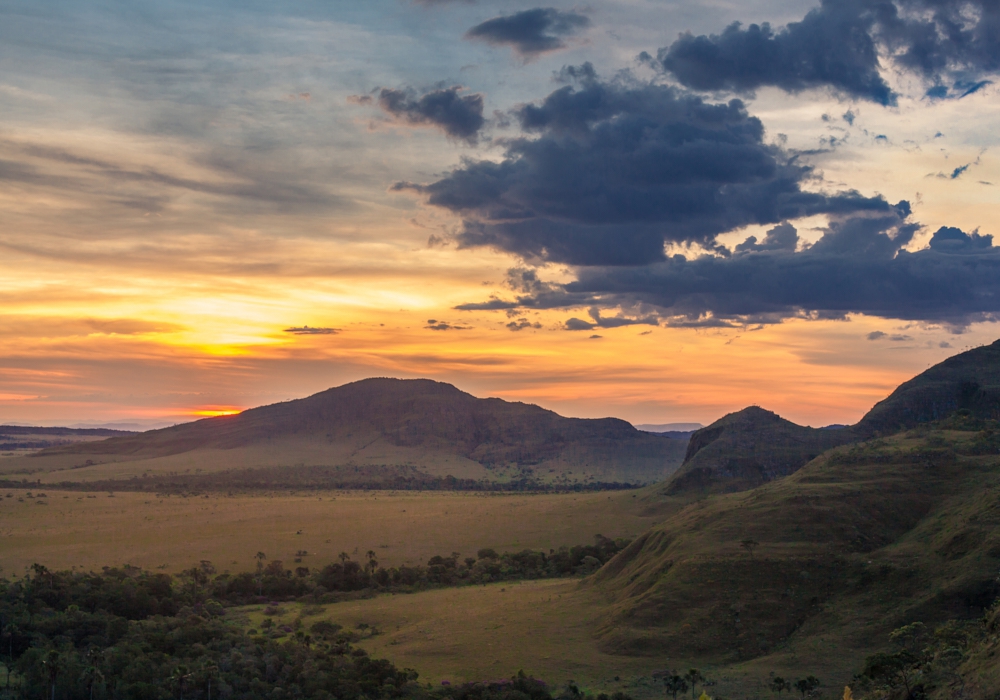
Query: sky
[[659, 210]]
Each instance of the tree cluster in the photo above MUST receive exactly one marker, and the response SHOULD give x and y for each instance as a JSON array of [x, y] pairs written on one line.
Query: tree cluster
[[127, 634], [274, 582]]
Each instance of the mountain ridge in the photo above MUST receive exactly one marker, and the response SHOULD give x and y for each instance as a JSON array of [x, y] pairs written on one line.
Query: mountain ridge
[[403, 422]]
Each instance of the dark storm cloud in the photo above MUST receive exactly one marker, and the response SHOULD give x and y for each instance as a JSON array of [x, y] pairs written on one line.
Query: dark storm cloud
[[530, 32], [832, 46], [618, 169], [459, 116], [951, 44], [858, 266]]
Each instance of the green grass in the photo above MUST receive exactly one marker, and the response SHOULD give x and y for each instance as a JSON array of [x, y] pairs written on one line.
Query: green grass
[[861, 540]]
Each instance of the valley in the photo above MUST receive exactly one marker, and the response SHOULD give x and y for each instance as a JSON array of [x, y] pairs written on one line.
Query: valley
[[772, 549]]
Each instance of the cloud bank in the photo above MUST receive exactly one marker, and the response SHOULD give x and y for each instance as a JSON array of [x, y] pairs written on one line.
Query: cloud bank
[[612, 171], [608, 174]]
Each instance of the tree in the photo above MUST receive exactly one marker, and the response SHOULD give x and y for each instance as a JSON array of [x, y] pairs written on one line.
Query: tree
[[892, 669], [180, 678], [749, 545], [779, 685], [91, 676], [909, 636], [807, 685], [52, 667], [694, 677], [372, 562], [260, 572], [675, 685]]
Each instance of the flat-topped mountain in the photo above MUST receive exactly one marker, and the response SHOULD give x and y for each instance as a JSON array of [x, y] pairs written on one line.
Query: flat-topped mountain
[[420, 426]]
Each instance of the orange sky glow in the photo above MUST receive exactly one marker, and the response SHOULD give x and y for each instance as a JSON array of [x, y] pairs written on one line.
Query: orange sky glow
[[226, 229]]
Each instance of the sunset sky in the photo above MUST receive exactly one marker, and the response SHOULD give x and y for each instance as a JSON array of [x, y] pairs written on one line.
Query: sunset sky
[[208, 206]]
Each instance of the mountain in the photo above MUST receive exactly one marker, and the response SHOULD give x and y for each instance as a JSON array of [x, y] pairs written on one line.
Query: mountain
[[753, 446], [969, 381], [748, 448], [812, 571], [380, 428]]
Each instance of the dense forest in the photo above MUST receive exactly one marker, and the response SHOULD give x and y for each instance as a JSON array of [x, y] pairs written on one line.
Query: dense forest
[[126, 633]]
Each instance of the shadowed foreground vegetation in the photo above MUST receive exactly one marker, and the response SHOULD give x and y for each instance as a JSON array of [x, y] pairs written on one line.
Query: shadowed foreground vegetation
[[127, 633]]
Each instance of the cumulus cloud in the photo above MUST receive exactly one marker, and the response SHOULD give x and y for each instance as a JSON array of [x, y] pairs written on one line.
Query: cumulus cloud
[[950, 44], [309, 330], [617, 169], [459, 116], [531, 32]]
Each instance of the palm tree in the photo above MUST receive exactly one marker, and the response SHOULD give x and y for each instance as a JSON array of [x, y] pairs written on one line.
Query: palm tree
[[694, 677], [180, 677], [209, 670], [675, 685], [260, 572], [51, 665], [92, 675]]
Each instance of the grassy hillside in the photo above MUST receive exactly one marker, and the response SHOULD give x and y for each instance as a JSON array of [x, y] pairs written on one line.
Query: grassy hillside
[[381, 423], [969, 381], [861, 540], [748, 448]]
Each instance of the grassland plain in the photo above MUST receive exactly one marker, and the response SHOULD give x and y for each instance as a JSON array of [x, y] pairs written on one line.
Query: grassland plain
[[489, 632], [88, 530]]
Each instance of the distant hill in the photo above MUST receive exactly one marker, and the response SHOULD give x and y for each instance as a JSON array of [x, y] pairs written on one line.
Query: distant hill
[[20, 439], [669, 427], [406, 429], [748, 448], [863, 539], [970, 381]]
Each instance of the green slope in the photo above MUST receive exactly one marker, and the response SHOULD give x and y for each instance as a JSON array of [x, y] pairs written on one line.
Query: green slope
[[969, 381], [863, 539]]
